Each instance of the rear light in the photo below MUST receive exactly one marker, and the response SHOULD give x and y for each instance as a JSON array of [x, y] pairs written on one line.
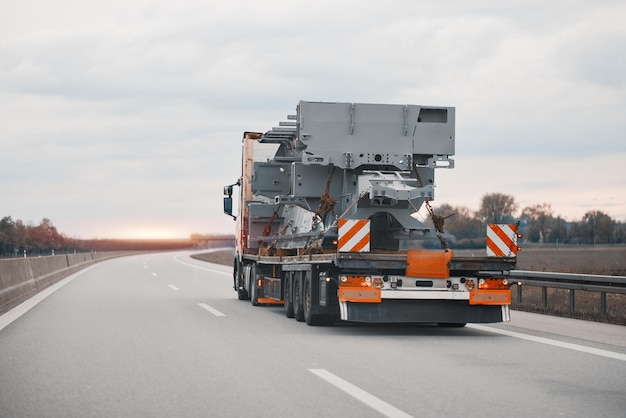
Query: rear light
[[378, 282], [493, 283], [361, 281]]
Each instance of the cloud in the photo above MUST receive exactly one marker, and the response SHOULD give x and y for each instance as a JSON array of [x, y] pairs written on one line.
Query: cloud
[[135, 109]]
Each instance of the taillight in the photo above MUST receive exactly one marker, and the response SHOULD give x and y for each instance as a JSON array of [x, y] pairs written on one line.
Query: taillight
[[493, 283]]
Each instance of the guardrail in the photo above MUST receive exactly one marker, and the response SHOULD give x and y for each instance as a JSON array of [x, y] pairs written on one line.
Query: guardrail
[[23, 277], [570, 281]]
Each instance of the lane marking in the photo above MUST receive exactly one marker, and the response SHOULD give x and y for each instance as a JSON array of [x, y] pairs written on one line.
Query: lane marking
[[542, 340], [361, 395], [211, 309], [171, 286], [154, 274], [204, 268]]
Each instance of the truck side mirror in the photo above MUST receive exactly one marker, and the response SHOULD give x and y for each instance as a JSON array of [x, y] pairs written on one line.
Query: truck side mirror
[[228, 206]]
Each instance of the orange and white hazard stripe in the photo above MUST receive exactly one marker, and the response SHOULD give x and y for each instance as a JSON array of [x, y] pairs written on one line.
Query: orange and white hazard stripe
[[354, 235], [502, 240]]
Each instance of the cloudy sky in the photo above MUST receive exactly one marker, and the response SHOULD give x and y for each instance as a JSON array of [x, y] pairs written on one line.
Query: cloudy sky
[[123, 118]]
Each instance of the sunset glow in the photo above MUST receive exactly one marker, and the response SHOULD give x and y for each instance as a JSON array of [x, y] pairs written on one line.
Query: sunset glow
[[156, 232]]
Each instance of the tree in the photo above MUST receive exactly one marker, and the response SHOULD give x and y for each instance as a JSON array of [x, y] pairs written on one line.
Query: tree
[[557, 230], [538, 218], [460, 221], [7, 235], [597, 227], [45, 237], [497, 208], [22, 237]]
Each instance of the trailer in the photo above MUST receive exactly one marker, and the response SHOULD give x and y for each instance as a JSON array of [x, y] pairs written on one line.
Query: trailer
[[326, 221]]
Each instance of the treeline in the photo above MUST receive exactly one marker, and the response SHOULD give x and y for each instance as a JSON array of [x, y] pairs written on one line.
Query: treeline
[[19, 239], [463, 228], [537, 224]]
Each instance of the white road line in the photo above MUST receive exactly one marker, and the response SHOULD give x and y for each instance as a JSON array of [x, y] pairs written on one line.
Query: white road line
[[154, 274], [570, 346], [211, 309], [361, 395], [173, 287], [230, 274], [25, 306]]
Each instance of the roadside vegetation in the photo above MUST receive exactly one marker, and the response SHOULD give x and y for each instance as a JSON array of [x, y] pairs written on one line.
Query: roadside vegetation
[[18, 239], [538, 224]]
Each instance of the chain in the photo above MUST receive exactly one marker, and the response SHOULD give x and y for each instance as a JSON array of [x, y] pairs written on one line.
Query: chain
[[438, 221]]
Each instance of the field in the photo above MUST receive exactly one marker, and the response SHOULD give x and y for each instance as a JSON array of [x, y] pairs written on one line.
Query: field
[[605, 260]]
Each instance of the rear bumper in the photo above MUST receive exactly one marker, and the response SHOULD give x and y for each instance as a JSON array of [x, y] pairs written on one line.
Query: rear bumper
[[423, 311]]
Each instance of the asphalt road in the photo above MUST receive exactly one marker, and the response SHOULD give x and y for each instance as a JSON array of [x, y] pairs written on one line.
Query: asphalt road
[[164, 335]]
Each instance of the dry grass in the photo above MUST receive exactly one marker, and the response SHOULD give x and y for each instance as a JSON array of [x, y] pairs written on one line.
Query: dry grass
[[587, 304], [608, 260], [224, 257]]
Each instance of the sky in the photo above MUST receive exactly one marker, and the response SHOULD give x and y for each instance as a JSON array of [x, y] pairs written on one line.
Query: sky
[[124, 118]]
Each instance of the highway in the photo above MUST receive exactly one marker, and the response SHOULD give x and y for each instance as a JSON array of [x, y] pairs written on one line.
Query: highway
[[163, 335]]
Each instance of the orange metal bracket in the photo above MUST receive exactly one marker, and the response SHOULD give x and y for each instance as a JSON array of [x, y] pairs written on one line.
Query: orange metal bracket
[[427, 263]]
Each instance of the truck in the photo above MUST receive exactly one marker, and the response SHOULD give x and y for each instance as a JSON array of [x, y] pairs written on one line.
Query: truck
[[327, 212]]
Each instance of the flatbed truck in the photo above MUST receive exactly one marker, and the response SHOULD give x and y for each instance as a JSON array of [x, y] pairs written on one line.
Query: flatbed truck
[[327, 225]]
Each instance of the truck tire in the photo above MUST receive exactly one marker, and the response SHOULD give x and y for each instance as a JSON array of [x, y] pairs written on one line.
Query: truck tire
[[298, 306], [288, 295], [310, 317], [238, 277], [254, 290]]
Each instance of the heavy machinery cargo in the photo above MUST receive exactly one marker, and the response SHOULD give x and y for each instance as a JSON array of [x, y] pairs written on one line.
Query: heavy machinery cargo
[[326, 221]]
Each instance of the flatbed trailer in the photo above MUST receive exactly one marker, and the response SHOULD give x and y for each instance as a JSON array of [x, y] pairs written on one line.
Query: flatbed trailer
[[311, 288]]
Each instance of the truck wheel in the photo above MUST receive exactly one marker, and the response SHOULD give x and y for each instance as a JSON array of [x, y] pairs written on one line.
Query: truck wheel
[[288, 295], [238, 275], [310, 317], [307, 302], [254, 290], [298, 306], [242, 294]]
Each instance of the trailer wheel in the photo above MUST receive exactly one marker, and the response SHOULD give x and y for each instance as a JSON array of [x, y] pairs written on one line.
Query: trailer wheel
[[298, 306], [288, 295], [254, 290], [310, 317]]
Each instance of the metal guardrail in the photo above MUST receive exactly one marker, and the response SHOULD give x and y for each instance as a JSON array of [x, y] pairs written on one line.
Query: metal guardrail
[[571, 282]]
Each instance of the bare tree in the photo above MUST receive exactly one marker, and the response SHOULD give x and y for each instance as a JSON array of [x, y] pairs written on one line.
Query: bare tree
[[538, 218], [497, 208], [597, 227], [460, 221]]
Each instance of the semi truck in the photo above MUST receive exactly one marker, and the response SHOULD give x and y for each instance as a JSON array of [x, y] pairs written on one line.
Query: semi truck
[[328, 221]]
